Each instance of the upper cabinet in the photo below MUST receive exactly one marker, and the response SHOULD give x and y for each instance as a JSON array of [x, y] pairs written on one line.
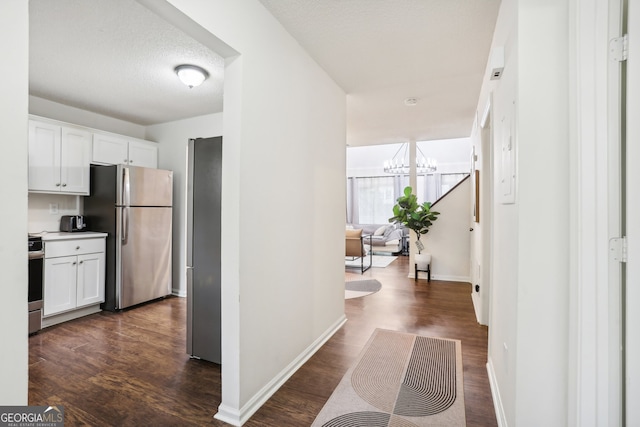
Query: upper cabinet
[[59, 158], [143, 153], [60, 155], [113, 149]]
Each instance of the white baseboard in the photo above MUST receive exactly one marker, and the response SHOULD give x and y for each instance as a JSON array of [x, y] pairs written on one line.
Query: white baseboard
[[475, 299], [179, 293], [238, 417], [495, 393], [70, 315], [228, 415], [443, 277]]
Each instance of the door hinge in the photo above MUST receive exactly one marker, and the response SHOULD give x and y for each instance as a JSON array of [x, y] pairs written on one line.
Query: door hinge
[[618, 249], [619, 48]]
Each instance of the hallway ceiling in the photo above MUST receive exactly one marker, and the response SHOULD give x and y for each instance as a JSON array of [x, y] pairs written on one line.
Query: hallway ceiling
[[382, 52], [116, 58]]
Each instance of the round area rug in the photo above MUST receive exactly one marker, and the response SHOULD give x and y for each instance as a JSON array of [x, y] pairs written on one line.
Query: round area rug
[[361, 288]]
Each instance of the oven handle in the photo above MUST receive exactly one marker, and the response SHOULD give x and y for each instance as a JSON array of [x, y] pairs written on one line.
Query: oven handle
[[36, 254]]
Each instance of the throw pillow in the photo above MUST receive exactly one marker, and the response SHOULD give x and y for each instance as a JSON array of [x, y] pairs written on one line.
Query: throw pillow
[[380, 231], [390, 229]]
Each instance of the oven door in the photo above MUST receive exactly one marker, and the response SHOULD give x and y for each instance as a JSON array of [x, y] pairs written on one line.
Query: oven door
[[36, 264]]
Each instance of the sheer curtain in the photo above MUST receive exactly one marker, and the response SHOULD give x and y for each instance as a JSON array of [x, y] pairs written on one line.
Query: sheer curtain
[[370, 200]]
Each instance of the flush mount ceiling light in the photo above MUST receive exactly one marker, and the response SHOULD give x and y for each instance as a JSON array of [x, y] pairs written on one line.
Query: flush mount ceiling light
[[191, 75]]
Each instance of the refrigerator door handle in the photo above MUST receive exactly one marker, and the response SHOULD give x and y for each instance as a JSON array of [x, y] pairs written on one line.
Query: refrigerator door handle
[[126, 187], [125, 223]]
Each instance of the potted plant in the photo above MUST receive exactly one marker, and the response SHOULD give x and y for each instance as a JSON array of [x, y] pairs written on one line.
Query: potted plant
[[415, 217]]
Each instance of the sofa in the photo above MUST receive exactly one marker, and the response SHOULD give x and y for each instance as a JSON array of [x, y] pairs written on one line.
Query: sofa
[[386, 239]]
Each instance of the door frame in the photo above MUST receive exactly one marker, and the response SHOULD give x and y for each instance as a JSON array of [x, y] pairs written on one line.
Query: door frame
[[595, 380], [632, 221]]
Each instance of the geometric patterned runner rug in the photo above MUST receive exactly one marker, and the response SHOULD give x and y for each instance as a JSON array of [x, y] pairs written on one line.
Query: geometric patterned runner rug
[[399, 380]]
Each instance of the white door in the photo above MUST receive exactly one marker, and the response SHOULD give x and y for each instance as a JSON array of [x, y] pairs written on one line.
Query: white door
[[59, 284], [632, 286], [44, 156], [90, 289], [74, 171]]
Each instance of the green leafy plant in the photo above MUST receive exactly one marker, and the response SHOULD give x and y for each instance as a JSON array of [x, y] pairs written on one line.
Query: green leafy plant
[[414, 216]]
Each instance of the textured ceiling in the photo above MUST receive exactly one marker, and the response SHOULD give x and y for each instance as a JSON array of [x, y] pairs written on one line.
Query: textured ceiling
[[382, 52], [116, 58]]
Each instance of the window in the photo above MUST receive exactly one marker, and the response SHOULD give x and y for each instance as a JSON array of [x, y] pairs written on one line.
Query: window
[[376, 198]]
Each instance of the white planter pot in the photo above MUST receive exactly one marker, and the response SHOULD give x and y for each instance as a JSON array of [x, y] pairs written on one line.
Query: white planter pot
[[423, 260]]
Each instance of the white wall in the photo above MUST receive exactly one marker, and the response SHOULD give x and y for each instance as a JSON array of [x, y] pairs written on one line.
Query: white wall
[[283, 183], [528, 329], [172, 141], [55, 110], [448, 238], [543, 139], [503, 314], [40, 218], [14, 36]]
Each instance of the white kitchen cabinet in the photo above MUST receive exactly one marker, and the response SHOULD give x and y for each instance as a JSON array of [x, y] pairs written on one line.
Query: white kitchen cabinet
[[58, 158], [143, 153], [74, 273], [90, 289], [60, 284], [109, 149], [113, 150]]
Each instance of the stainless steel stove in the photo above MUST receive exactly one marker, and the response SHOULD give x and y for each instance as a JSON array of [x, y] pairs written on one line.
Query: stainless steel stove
[[36, 263]]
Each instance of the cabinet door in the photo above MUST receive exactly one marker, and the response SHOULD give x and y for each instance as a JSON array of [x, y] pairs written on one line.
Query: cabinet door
[[59, 284], [143, 154], [90, 279], [110, 150], [44, 157], [74, 171]]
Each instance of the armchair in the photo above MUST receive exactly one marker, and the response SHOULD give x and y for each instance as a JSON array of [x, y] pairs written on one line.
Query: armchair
[[354, 248]]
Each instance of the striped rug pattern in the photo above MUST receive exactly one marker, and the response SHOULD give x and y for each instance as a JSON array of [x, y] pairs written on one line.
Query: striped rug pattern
[[399, 380]]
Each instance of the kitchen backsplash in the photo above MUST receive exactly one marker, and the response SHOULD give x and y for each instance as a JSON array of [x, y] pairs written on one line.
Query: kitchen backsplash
[[43, 206]]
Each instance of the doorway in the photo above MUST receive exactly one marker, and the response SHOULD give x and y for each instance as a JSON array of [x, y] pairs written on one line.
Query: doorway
[[486, 214]]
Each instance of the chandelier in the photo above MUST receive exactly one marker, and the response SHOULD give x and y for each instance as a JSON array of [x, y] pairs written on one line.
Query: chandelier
[[397, 166]]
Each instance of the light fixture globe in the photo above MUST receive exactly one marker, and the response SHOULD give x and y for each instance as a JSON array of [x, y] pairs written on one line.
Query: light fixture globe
[[191, 75]]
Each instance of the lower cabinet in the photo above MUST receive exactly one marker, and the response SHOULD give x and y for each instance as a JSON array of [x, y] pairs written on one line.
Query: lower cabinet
[[73, 274]]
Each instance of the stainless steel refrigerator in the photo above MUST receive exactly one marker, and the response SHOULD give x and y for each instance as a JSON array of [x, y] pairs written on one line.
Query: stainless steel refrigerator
[[204, 248], [133, 205]]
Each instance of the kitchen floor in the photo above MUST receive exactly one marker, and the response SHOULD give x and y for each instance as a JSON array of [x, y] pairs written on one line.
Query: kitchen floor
[[124, 369], [131, 369]]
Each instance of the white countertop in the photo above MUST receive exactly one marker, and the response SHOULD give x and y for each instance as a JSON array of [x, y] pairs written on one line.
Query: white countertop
[[47, 236]]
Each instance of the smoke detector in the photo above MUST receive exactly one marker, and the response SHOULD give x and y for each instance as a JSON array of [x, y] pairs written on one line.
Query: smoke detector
[[410, 101]]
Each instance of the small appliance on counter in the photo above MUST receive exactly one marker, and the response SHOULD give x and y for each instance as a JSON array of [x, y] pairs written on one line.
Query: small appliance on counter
[[73, 223]]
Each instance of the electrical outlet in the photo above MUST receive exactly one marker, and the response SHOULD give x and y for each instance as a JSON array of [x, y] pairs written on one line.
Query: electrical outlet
[[53, 208]]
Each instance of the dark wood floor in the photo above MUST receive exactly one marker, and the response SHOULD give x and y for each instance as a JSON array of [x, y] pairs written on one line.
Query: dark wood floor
[[130, 368]]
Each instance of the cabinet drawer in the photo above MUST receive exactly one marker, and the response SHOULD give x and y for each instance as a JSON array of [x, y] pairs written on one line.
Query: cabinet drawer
[[73, 247]]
